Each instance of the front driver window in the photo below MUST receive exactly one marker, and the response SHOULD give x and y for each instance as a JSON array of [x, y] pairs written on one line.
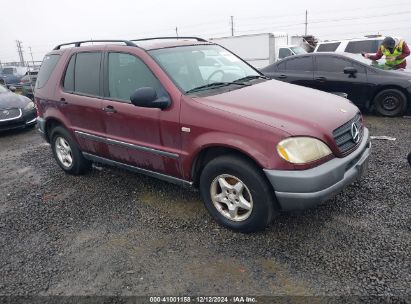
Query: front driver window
[[126, 74], [332, 64]]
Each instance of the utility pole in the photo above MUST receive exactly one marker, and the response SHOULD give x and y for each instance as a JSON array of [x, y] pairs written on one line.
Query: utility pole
[[232, 25], [20, 51], [306, 22], [31, 54]]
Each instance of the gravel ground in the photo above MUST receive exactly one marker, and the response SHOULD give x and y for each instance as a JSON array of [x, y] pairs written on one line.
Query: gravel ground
[[112, 232]]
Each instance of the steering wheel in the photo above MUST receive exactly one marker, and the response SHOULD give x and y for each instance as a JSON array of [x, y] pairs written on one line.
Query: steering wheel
[[214, 73]]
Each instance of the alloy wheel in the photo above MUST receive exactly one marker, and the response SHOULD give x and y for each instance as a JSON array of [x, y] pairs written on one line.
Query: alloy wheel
[[231, 197]]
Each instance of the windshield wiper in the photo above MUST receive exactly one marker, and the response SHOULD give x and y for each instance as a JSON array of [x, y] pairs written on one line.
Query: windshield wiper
[[215, 85], [251, 77]]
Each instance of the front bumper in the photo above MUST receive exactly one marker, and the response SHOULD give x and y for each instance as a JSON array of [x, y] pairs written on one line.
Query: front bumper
[[296, 190], [27, 119]]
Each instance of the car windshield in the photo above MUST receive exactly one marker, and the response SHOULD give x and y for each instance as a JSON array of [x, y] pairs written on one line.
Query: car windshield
[[3, 89], [202, 66], [7, 71], [298, 50]]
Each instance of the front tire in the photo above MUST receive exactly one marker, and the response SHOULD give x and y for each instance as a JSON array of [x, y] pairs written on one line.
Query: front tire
[[236, 194], [390, 102], [66, 152]]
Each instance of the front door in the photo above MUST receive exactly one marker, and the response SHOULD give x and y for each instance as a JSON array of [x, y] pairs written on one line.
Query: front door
[[148, 138], [329, 76]]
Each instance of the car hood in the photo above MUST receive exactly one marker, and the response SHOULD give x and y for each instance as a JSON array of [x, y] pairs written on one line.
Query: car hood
[[294, 109], [11, 100], [403, 73]]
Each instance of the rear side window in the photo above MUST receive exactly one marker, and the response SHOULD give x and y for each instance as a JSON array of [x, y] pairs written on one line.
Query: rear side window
[[68, 83], [87, 73], [302, 64], [47, 67], [367, 46], [328, 47]]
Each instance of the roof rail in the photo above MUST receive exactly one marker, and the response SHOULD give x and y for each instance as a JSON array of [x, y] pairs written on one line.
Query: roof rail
[[176, 37], [78, 43]]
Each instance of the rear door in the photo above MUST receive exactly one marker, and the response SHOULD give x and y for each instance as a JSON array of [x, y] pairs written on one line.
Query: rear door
[[80, 101], [296, 70], [147, 138], [329, 77]]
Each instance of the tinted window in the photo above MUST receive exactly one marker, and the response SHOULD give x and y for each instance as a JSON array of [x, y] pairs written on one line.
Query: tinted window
[[127, 73], [284, 53], [69, 77], [87, 73], [359, 67], [328, 47], [332, 64], [300, 64], [47, 66], [337, 65], [9, 71], [367, 46]]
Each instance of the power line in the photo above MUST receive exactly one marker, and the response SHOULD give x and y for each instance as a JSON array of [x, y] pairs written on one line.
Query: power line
[[20, 51], [319, 12], [361, 17]]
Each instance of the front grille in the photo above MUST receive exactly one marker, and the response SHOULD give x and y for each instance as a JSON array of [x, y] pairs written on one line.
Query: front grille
[[343, 137], [9, 114]]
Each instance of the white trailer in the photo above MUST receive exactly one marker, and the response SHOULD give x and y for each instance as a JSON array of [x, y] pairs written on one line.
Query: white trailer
[[260, 50]]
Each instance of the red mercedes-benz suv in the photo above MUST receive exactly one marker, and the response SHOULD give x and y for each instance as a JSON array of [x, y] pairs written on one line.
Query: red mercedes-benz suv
[[191, 112]]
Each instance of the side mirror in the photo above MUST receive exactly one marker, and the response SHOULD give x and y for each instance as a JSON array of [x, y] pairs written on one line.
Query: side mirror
[[350, 70], [13, 89], [147, 97]]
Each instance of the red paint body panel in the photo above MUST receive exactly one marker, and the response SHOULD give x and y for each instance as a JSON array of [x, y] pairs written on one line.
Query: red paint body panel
[[250, 119]]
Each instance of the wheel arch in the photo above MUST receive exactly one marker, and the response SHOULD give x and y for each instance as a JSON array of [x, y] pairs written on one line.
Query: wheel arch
[[206, 154], [51, 123], [391, 86]]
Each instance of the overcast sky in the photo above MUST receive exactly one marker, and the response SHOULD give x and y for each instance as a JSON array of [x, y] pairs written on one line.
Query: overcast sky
[[42, 24]]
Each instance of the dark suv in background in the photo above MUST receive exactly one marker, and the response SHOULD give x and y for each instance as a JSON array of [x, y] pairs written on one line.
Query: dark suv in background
[[253, 146]]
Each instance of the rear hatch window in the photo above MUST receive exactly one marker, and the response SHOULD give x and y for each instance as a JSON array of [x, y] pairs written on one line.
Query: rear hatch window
[[328, 47], [47, 67], [367, 46]]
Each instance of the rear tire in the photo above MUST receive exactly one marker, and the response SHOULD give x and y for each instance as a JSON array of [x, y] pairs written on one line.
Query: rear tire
[[390, 102], [66, 152], [236, 194]]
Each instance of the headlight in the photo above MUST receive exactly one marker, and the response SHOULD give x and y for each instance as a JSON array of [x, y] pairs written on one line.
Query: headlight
[[29, 106], [302, 150]]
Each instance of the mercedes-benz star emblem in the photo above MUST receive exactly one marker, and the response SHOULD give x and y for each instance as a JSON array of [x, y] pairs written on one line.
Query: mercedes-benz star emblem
[[5, 112], [355, 133]]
